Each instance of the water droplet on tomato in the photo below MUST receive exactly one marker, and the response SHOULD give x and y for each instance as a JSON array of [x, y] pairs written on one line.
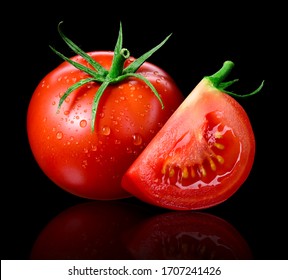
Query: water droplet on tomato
[[112, 159], [117, 142], [83, 123], [137, 139], [84, 163], [59, 135], [106, 130], [94, 148], [129, 150]]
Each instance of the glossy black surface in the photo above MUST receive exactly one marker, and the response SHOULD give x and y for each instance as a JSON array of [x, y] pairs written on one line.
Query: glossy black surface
[[203, 38]]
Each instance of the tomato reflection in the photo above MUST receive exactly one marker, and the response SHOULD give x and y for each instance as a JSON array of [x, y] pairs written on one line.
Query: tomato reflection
[[188, 235], [122, 230], [91, 230]]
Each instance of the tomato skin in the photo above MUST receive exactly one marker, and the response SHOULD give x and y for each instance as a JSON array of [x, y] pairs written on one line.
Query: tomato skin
[[86, 163], [188, 140]]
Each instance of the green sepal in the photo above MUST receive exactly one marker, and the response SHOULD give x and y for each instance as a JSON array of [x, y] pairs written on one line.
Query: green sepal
[[73, 87], [149, 84], [97, 77], [134, 66], [247, 94], [224, 85], [95, 103], [101, 70]]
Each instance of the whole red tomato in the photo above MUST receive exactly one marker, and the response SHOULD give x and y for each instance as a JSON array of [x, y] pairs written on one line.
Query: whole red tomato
[[90, 118]]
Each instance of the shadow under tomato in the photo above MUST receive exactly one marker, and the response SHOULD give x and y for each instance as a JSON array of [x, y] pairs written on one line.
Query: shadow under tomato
[[124, 230], [187, 235]]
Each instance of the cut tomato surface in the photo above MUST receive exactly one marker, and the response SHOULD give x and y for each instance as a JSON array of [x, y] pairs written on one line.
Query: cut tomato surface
[[201, 156]]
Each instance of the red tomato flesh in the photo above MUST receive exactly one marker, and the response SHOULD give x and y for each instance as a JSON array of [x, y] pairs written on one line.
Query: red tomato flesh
[[200, 157]]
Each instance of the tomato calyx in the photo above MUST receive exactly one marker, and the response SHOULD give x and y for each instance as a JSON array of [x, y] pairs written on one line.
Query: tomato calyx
[[217, 80], [99, 74]]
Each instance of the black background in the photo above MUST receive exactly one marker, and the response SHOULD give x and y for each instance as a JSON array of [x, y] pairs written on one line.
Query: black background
[[203, 38]]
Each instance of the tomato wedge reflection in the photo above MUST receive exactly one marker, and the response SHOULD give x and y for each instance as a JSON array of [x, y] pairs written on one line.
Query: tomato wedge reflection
[[188, 235]]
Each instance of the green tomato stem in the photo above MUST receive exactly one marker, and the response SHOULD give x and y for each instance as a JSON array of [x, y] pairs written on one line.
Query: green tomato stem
[[217, 79], [221, 74], [105, 77], [118, 64]]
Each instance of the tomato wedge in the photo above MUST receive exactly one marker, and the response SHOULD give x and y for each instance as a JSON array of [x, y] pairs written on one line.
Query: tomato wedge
[[203, 153]]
